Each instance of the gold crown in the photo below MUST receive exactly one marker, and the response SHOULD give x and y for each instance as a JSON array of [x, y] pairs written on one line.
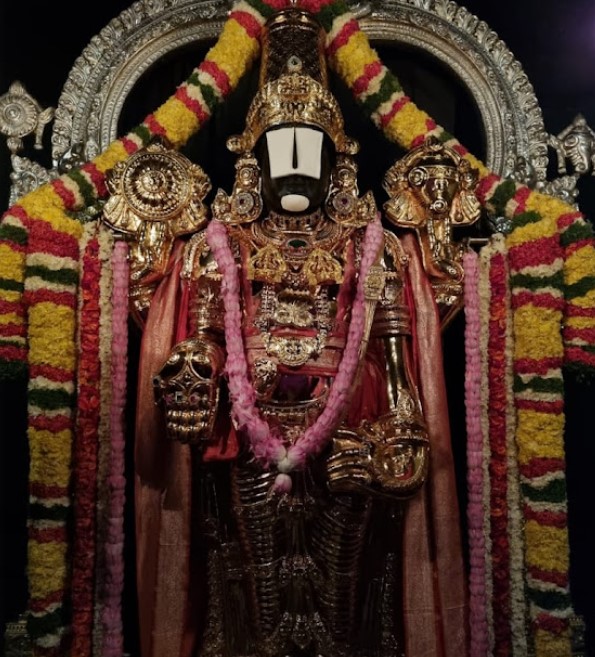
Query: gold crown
[[293, 84], [293, 98]]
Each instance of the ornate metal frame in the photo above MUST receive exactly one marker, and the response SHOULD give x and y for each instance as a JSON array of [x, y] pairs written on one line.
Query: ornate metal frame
[[103, 75], [86, 118]]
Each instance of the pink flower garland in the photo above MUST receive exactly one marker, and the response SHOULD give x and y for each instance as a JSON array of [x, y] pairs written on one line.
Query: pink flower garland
[[266, 445], [114, 582], [477, 603]]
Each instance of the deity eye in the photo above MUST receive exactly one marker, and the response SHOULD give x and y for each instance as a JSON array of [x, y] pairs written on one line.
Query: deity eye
[[417, 176]]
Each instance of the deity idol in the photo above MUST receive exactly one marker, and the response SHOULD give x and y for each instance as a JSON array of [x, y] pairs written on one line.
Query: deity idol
[[294, 483]]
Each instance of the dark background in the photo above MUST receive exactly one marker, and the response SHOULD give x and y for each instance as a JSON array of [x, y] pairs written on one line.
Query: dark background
[[555, 43]]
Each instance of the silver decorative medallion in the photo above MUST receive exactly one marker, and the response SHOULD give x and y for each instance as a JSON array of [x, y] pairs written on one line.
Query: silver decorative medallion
[[21, 115]]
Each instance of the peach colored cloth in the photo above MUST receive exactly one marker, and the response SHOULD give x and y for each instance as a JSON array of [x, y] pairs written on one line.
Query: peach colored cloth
[[435, 602], [162, 494]]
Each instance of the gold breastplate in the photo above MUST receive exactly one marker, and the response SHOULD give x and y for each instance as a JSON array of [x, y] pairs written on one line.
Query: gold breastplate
[[295, 268]]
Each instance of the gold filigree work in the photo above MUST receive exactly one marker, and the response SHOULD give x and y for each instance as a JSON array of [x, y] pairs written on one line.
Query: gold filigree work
[[245, 203], [188, 388], [293, 98], [432, 191], [267, 265], [291, 351], [343, 204], [156, 195]]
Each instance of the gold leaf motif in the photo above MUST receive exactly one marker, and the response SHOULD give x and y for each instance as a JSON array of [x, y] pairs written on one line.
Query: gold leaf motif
[[267, 265], [322, 268]]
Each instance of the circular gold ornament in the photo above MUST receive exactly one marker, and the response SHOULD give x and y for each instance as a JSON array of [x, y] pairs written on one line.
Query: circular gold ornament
[[156, 185]]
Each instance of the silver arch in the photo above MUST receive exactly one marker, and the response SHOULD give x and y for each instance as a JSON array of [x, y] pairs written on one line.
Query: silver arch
[[101, 78]]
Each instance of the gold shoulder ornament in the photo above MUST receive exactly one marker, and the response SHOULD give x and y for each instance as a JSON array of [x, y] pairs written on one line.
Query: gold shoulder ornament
[[156, 196]]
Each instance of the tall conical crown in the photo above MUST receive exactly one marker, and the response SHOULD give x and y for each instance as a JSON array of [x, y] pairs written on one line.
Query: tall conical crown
[[293, 83]]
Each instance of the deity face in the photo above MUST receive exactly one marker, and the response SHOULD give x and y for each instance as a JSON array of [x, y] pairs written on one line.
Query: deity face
[[296, 164], [436, 185]]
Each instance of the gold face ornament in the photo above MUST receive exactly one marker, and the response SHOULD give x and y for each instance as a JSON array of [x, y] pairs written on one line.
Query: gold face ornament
[[431, 183]]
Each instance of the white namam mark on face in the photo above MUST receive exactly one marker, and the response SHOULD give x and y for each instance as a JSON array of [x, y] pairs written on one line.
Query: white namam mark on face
[[294, 152]]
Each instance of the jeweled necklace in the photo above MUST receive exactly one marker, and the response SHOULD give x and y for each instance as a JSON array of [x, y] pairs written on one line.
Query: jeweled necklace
[[265, 443]]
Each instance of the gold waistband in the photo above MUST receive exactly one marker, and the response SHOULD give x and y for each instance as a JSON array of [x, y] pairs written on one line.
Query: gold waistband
[[326, 363]]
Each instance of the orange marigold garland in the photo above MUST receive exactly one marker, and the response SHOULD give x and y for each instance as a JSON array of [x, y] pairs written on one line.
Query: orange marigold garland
[[85, 446]]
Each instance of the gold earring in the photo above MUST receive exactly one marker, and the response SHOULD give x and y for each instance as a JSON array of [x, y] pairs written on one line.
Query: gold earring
[[343, 204], [245, 203]]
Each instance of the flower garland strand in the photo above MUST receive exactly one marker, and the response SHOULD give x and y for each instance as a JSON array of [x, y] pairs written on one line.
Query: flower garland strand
[[539, 305], [114, 554], [478, 629], [484, 316], [106, 247], [50, 294], [515, 515], [266, 445], [85, 446], [494, 362]]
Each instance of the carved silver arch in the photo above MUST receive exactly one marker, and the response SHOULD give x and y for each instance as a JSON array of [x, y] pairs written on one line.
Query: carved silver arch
[[510, 112], [116, 58]]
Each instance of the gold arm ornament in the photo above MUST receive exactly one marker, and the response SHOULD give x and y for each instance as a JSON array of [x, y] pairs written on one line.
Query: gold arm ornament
[[156, 196], [432, 191], [387, 458], [390, 456]]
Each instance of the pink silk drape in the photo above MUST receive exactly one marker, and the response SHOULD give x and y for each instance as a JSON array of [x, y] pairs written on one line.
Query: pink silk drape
[[162, 494], [435, 599]]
